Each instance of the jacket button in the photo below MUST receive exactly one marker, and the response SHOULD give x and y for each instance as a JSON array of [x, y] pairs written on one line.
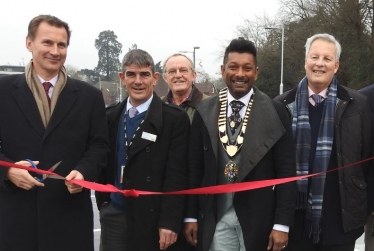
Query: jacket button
[[151, 209], [147, 149], [202, 216], [148, 178], [205, 148]]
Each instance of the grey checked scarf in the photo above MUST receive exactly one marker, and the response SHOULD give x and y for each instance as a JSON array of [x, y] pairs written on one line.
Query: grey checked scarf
[[312, 202]]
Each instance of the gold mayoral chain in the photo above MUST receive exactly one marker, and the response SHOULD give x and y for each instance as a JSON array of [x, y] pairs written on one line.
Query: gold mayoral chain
[[231, 168], [231, 149]]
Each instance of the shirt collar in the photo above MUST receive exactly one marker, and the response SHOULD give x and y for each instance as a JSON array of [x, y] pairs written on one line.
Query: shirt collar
[[170, 95], [53, 81], [323, 93], [141, 108], [245, 99]]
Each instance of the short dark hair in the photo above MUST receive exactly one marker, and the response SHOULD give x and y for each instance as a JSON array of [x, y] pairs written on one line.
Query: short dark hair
[[240, 45], [138, 57], [51, 20]]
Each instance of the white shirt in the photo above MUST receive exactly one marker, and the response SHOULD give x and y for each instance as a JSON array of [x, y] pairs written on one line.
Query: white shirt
[[245, 100], [141, 108]]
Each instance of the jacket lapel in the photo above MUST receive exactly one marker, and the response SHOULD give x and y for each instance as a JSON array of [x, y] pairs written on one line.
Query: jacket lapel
[[209, 113], [152, 124], [65, 102], [26, 102], [263, 130]]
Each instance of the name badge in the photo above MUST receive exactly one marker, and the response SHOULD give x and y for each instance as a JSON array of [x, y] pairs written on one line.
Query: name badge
[[149, 136]]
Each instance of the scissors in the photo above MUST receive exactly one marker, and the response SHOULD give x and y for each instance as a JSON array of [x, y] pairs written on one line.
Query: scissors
[[45, 176]]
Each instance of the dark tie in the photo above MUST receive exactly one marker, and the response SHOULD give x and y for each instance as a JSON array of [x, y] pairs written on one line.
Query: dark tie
[[46, 86], [132, 112], [317, 99], [235, 119]]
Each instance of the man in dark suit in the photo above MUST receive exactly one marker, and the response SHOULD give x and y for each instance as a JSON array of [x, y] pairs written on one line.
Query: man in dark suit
[[238, 136], [149, 143], [332, 128], [369, 227], [65, 121]]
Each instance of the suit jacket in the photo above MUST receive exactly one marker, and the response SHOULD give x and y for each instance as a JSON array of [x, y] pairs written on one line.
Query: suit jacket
[[267, 153], [369, 93], [151, 166], [50, 218]]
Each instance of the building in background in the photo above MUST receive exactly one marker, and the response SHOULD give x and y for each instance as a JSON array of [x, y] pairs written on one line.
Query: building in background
[[11, 69]]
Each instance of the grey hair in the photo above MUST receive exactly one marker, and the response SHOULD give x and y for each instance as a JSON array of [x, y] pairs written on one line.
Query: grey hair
[[138, 57], [175, 55], [325, 37]]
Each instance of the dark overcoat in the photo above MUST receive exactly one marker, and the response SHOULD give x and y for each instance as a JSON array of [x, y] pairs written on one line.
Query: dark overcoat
[[50, 218], [346, 190], [268, 152], [369, 93], [152, 166]]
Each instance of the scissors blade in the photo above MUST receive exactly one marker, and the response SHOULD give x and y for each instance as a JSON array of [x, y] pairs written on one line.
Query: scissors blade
[[52, 169]]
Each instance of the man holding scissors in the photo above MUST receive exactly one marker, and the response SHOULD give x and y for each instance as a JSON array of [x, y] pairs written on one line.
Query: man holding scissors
[[46, 116]]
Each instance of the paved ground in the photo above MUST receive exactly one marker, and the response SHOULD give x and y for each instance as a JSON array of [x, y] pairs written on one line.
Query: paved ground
[[96, 223], [360, 246]]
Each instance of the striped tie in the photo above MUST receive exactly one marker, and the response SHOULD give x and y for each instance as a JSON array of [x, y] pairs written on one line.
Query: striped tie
[[317, 99]]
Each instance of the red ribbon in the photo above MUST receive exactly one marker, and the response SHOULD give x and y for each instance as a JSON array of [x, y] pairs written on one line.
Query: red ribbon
[[229, 188]]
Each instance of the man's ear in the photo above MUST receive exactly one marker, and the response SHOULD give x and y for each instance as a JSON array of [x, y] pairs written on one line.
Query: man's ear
[[155, 78], [336, 66], [121, 76], [222, 70], [28, 44]]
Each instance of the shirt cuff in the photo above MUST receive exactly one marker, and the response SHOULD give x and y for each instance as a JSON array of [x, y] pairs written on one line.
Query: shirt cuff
[[190, 220], [282, 228]]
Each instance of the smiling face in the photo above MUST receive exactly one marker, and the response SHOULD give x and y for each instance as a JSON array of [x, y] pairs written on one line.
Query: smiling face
[[321, 65], [49, 50], [179, 75], [139, 82], [240, 72]]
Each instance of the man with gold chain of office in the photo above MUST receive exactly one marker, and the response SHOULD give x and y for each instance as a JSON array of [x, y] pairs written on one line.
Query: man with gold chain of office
[[238, 136]]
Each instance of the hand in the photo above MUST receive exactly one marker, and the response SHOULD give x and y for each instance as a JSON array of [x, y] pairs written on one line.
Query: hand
[[73, 188], [167, 238], [278, 240], [22, 178], [190, 232]]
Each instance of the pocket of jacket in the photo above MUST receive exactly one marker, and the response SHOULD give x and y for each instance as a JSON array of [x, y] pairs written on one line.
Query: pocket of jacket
[[359, 182]]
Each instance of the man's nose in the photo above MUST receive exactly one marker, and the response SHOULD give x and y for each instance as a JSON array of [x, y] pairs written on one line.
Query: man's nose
[[54, 50]]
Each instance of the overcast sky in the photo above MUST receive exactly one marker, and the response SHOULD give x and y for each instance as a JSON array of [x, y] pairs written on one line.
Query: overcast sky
[[161, 27]]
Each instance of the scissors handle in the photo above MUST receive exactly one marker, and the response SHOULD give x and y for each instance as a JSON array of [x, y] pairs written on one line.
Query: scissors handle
[[34, 166]]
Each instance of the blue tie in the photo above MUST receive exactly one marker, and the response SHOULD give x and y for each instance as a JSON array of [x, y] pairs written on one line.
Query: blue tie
[[133, 112], [317, 99]]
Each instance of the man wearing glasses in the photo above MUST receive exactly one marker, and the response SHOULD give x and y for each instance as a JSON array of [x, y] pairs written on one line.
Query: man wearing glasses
[[179, 74]]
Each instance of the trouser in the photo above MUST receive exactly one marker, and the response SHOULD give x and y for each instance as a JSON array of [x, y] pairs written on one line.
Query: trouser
[[113, 228], [369, 239], [228, 235]]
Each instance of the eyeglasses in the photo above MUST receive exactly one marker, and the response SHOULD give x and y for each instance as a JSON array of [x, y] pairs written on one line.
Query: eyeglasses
[[182, 71]]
